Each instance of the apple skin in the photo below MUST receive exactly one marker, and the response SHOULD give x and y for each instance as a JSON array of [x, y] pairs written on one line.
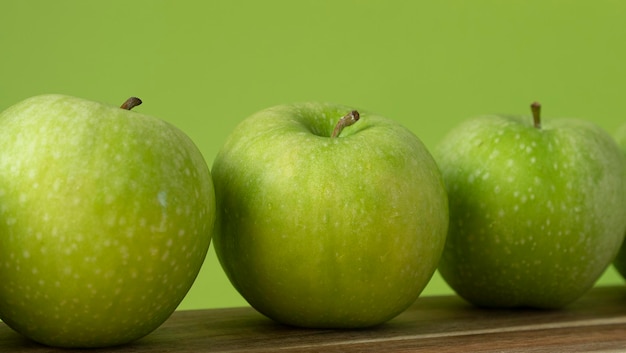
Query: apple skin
[[536, 215], [105, 220], [327, 232]]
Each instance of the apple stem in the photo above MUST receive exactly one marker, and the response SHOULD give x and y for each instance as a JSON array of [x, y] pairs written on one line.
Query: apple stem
[[131, 103], [347, 120], [535, 107]]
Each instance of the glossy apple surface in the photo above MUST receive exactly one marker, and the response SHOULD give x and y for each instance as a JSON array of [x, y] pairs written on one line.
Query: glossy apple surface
[[105, 220], [321, 231]]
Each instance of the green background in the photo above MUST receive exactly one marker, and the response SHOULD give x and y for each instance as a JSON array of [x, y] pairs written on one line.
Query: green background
[[205, 66]]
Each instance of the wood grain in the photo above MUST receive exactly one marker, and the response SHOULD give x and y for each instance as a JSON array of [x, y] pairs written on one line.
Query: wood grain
[[596, 322]]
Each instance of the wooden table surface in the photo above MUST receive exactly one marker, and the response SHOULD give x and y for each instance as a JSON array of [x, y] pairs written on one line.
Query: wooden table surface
[[596, 322]]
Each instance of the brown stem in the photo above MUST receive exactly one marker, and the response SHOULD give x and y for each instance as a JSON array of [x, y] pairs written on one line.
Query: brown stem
[[347, 120], [131, 103], [536, 109]]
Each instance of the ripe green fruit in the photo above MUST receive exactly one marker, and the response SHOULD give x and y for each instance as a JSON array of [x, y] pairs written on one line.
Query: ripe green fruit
[[320, 226], [537, 211], [105, 220]]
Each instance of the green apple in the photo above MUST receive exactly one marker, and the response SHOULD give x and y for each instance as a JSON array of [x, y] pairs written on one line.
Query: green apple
[[105, 220], [322, 227], [537, 210], [620, 259]]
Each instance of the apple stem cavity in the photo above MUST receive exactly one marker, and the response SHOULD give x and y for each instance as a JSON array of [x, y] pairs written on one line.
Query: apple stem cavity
[[535, 107], [347, 120], [131, 103]]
